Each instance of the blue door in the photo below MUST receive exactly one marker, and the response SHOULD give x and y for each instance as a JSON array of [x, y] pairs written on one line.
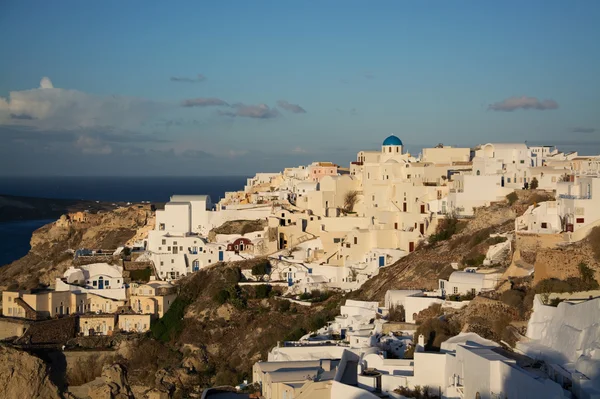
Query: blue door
[[100, 283], [221, 256], [381, 261]]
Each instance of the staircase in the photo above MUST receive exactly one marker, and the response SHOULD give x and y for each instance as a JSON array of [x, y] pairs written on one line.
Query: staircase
[[30, 313]]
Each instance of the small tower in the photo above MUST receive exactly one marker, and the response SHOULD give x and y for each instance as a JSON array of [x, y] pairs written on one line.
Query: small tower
[[392, 148], [392, 145]]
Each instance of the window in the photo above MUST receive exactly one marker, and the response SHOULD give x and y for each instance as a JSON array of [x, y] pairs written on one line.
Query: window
[[544, 225], [336, 240], [355, 240], [455, 290], [107, 282], [164, 242], [9, 299], [522, 161], [172, 260], [175, 243], [508, 180], [95, 283], [169, 249], [579, 220]]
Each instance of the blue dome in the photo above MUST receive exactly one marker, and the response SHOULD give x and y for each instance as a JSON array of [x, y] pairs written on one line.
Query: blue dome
[[392, 140]]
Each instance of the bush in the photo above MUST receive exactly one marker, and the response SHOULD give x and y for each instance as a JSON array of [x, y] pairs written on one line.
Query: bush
[[236, 297], [262, 291], [226, 377], [533, 184], [435, 332], [315, 296], [512, 198], [171, 324], [284, 305], [141, 275], [594, 240], [496, 240], [587, 275], [261, 269], [397, 313], [476, 260], [295, 334], [221, 297], [446, 228], [513, 298]]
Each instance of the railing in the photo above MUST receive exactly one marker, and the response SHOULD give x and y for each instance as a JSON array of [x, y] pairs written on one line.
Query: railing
[[567, 196]]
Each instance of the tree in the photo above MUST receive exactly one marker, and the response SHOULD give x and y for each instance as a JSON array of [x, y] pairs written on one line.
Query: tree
[[350, 200], [533, 184]]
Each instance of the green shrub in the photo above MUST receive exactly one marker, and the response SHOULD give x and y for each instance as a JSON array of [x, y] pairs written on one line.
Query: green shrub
[[512, 198], [435, 332], [533, 184], [236, 297], [262, 291], [295, 334], [446, 228], [476, 260], [397, 313], [221, 297], [587, 275], [142, 275], [594, 240], [496, 240], [284, 305], [171, 324], [555, 301], [513, 298], [261, 269]]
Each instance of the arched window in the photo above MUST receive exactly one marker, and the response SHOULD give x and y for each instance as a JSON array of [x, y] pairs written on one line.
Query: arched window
[[478, 173]]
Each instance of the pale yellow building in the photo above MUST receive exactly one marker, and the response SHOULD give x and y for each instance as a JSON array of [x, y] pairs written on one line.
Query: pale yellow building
[[97, 324], [134, 322]]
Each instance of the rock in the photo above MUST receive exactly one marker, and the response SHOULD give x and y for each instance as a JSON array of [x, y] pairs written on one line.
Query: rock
[[24, 376], [157, 394], [111, 385]]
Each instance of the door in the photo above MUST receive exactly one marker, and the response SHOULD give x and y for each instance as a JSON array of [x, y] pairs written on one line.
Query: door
[[422, 228], [100, 283], [220, 256], [404, 207], [381, 261], [411, 247], [422, 208], [175, 250]]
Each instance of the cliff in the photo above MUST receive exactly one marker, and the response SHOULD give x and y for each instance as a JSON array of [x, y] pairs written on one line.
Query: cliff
[[53, 245], [24, 376], [28, 208]]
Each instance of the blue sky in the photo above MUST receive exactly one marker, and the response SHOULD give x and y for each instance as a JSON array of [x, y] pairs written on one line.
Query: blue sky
[[283, 83]]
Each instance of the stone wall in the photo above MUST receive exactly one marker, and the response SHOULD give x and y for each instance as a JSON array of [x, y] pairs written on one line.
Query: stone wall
[[13, 327], [397, 327]]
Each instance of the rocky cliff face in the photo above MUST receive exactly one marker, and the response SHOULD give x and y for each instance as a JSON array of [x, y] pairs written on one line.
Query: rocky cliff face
[[52, 245], [24, 376]]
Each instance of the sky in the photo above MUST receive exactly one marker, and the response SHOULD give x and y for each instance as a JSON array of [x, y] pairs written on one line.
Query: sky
[[190, 88]]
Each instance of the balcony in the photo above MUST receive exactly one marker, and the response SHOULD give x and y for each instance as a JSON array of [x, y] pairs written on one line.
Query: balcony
[[575, 197]]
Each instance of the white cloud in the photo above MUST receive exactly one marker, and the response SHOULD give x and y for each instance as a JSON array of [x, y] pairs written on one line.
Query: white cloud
[[50, 108], [299, 150], [524, 102], [46, 83], [90, 145]]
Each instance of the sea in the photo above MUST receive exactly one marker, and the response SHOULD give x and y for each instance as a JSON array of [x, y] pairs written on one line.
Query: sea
[[15, 236]]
